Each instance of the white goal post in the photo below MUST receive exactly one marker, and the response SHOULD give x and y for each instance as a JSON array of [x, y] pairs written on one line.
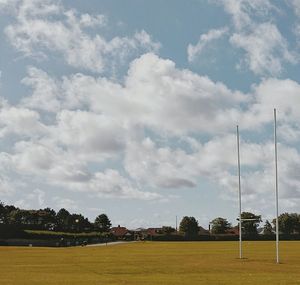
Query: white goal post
[[240, 192]]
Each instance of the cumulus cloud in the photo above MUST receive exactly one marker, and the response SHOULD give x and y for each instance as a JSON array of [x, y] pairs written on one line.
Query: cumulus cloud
[[99, 120], [36, 31], [96, 123], [155, 94], [266, 49], [244, 12], [214, 160], [87, 20], [50, 165], [295, 4], [87, 133], [7, 186], [65, 203], [46, 95], [20, 121], [289, 133], [176, 100], [273, 93], [204, 41], [254, 31], [159, 127]]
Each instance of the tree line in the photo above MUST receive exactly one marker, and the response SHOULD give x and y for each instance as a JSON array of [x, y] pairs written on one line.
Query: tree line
[[49, 219], [64, 221], [289, 223]]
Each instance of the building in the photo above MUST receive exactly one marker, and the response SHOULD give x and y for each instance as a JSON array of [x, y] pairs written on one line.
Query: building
[[121, 233]]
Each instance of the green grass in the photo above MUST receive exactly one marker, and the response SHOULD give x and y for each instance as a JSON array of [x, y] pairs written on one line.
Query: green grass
[[152, 263]]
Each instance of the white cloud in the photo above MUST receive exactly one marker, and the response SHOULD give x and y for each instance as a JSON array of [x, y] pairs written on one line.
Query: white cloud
[[65, 203], [87, 133], [289, 133], [99, 120], [38, 196], [22, 204], [86, 20], [204, 41], [36, 32], [48, 164], [20, 121], [244, 12], [295, 5], [176, 168], [155, 94], [178, 101], [46, 93], [158, 167], [273, 93], [112, 184], [7, 187], [266, 49]]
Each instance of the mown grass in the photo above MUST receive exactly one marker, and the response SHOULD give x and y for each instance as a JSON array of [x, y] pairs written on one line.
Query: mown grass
[[152, 263]]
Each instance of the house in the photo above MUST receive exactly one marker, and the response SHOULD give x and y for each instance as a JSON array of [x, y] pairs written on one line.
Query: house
[[203, 231], [154, 231], [233, 231], [142, 234], [121, 233]]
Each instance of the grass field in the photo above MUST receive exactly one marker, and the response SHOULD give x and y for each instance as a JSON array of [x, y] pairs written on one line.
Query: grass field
[[152, 263]]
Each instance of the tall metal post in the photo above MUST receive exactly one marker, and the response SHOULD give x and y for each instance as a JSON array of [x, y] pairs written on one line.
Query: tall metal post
[[240, 196], [276, 187]]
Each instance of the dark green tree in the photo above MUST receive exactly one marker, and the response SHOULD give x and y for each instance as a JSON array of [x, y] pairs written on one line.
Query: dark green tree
[[268, 230], [8, 209], [79, 223], [3, 217], [250, 227], [297, 223], [102, 223], [167, 230], [219, 226], [63, 220], [18, 217], [288, 223], [189, 226]]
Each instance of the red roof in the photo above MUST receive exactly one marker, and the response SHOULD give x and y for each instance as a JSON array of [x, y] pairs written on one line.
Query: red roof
[[153, 231], [119, 231]]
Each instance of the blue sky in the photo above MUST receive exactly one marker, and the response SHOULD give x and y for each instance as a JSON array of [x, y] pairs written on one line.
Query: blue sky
[[130, 107]]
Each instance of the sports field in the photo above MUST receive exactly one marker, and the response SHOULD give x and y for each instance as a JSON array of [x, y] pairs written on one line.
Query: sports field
[[152, 263]]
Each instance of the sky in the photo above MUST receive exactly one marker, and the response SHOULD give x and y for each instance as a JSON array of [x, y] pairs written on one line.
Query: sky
[[130, 108]]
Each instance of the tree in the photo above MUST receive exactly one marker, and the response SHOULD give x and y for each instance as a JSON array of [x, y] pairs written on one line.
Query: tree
[[297, 222], [7, 210], [167, 230], [250, 227], [268, 230], [2, 213], [288, 223], [219, 226], [189, 226], [18, 217], [102, 223], [79, 223], [63, 219]]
